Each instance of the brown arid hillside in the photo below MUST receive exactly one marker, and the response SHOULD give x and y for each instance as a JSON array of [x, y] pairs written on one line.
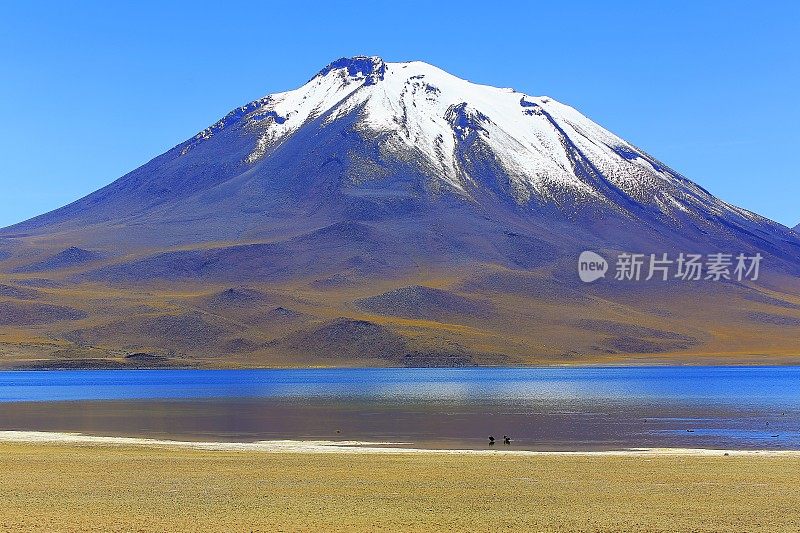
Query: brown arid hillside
[[485, 315]]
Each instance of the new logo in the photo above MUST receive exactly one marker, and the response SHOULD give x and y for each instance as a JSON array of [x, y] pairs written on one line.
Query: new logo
[[591, 266]]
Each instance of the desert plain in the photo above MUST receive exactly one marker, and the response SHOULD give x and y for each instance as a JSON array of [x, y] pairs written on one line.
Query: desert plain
[[74, 486]]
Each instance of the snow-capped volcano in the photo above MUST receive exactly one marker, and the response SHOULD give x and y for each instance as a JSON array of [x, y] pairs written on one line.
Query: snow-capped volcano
[[414, 152], [391, 213]]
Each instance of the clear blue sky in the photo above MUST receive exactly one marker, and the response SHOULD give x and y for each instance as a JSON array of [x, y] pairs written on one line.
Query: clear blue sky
[[91, 90]]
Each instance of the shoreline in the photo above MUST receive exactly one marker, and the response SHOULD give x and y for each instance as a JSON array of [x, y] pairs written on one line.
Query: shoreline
[[361, 447], [692, 362]]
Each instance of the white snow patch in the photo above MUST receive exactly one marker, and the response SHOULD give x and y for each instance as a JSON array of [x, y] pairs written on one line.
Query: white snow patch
[[429, 116]]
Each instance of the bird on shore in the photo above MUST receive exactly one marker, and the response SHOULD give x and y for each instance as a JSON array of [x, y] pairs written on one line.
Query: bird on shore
[[506, 439], [491, 441]]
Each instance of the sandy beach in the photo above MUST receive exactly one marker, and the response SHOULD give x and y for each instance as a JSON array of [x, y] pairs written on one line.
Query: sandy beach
[[69, 482]]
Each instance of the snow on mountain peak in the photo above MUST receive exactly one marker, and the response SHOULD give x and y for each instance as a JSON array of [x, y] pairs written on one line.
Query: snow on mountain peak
[[546, 151]]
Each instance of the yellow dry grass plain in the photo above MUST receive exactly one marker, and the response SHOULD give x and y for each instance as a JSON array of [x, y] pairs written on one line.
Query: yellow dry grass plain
[[67, 487]]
